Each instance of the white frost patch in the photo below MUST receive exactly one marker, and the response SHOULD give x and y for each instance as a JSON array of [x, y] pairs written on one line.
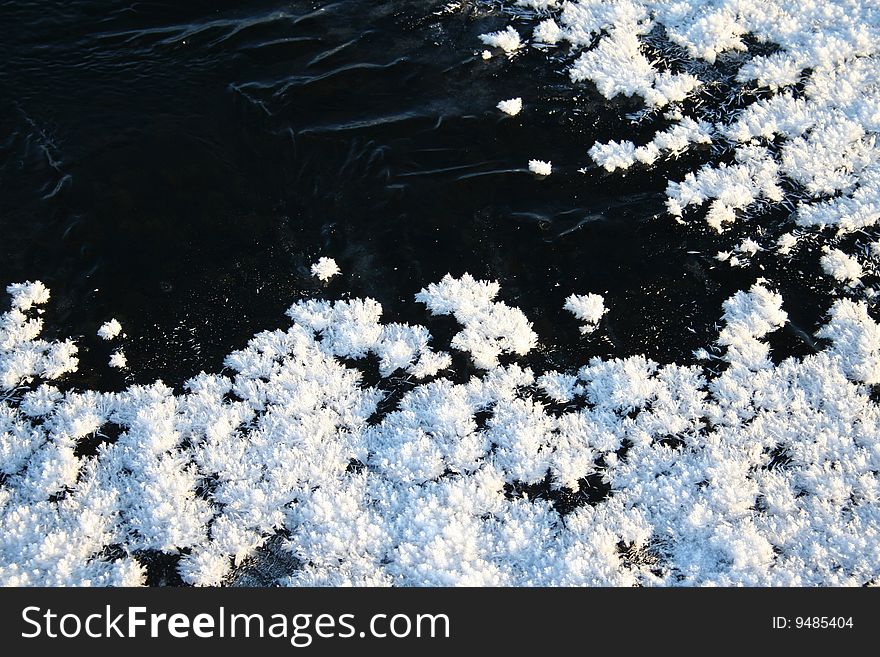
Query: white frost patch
[[614, 155], [110, 329], [511, 107], [761, 475], [508, 40], [325, 269], [855, 339], [491, 328], [672, 143], [538, 4], [786, 243], [118, 360], [840, 266], [748, 317], [540, 168], [589, 308], [748, 246], [23, 356], [558, 386], [27, 295], [730, 188], [548, 32]]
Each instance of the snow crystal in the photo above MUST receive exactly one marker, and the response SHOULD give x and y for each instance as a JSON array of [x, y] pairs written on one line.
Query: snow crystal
[[786, 243], [548, 31], [26, 295]]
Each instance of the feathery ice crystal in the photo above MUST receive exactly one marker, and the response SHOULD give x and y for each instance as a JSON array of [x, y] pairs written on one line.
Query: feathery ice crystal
[[110, 329], [325, 269], [589, 308], [508, 40], [679, 475]]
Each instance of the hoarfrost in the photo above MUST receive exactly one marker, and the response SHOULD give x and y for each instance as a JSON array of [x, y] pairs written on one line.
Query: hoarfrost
[[511, 107], [540, 168], [761, 474], [508, 40], [110, 329], [325, 269]]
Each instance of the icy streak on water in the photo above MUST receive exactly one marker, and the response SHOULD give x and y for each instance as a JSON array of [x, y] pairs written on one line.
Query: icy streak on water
[[180, 166]]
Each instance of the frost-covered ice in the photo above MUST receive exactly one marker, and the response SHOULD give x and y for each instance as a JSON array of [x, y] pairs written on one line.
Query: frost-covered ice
[[325, 269], [540, 168], [511, 107], [110, 329], [760, 474], [740, 470]]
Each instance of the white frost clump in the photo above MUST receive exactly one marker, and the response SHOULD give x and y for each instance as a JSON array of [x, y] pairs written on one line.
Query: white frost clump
[[786, 243], [22, 356], [757, 477], [674, 141], [538, 4], [847, 213], [548, 32], [325, 269], [351, 329], [491, 328], [842, 267], [508, 40], [748, 317], [27, 295], [558, 386], [118, 360], [614, 155], [511, 107], [855, 339], [540, 168], [748, 246], [781, 69], [730, 188], [110, 329], [589, 308]]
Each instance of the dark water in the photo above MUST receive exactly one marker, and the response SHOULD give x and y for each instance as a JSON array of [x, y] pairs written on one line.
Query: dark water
[[180, 165]]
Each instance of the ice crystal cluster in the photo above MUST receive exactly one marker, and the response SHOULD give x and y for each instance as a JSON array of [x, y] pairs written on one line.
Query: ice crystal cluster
[[785, 96], [622, 472], [325, 269]]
